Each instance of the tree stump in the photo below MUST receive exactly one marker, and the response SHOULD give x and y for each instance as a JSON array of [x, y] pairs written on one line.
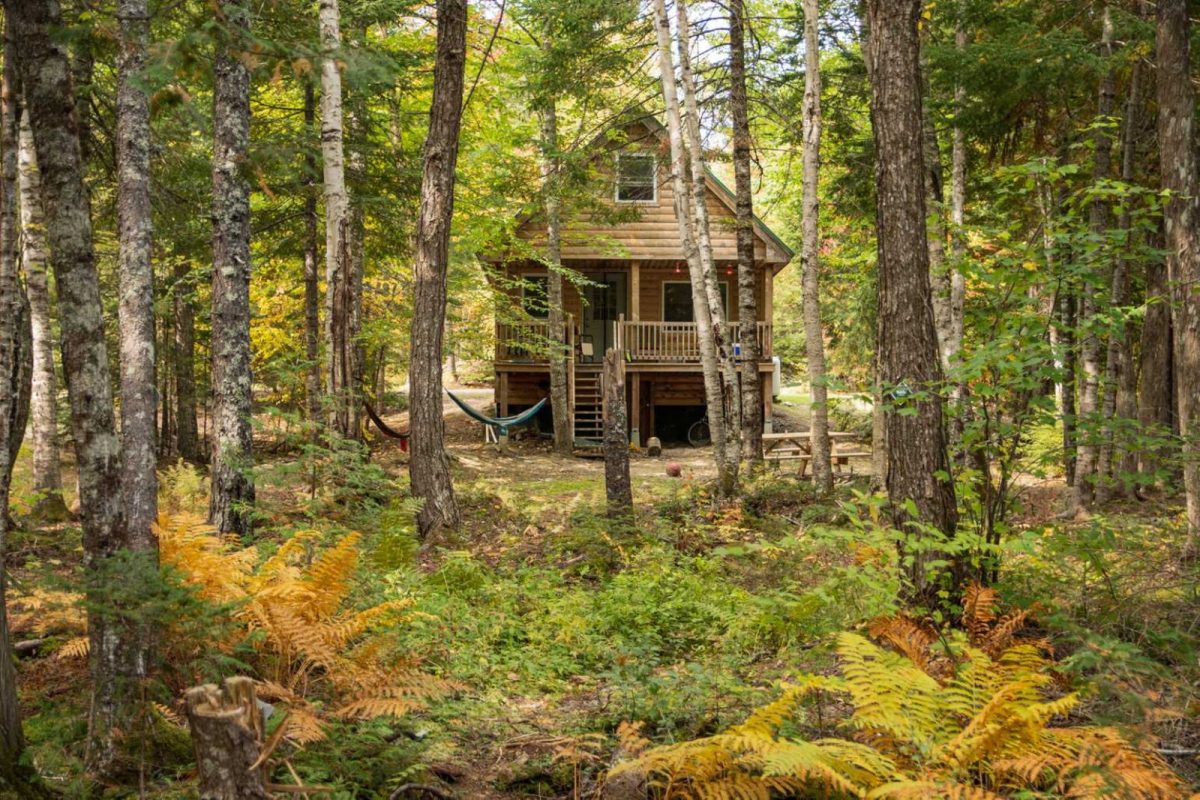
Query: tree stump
[[227, 733], [617, 486]]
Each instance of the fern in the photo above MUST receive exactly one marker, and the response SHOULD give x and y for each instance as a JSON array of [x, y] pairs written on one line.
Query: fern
[[976, 724]]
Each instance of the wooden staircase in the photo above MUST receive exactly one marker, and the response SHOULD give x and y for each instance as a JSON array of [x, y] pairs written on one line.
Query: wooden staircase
[[587, 405]]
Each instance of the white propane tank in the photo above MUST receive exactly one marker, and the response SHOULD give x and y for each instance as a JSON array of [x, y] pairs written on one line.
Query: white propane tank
[[776, 377]]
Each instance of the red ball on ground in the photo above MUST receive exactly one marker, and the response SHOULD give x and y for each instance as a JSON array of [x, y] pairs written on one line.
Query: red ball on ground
[[674, 470]]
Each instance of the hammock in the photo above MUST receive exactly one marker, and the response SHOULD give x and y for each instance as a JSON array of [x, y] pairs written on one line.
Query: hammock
[[499, 424], [385, 429]]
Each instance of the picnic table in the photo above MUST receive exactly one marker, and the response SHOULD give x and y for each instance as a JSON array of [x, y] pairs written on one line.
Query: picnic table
[[797, 446]]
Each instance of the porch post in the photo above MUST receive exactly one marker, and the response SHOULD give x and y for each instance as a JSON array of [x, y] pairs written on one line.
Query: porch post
[[635, 410], [635, 290]]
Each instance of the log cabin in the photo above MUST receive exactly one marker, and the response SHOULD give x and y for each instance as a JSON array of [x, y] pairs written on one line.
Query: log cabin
[[632, 292]]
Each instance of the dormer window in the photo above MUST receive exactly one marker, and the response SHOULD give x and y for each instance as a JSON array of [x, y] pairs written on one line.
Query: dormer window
[[636, 178]]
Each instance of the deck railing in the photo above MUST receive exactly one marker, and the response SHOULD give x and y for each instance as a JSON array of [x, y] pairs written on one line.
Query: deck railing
[[676, 342], [641, 341]]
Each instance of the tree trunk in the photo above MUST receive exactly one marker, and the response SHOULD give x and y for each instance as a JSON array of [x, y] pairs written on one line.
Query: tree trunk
[[618, 489], [564, 436], [187, 443], [232, 437], [939, 274], [952, 346], [702, 310], [1120, 401], [45, 77], [749, 277], [811, 253], [1177, 152], [16, 363], [909, 360], [727, 430], [139, 401], [226, 726], [1156, 392], [429, 466], [312, 278], [338, 343], [1084, 487], [47, 470]]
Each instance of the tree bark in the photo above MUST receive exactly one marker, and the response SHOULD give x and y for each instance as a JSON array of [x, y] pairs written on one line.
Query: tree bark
[[312, 277], [232, 443], [429, 466], [16, 362], [953, 344], [1156, 392], [749, 277], [811, 254], [618, 489], [226, 726], [47, 469], [139, 400], [187, 443], [1084, 487], [564, 436], [702, 310], [45, 76], [1181, 216], [338, 344], [725, 431], [939, 274], [909, 359]]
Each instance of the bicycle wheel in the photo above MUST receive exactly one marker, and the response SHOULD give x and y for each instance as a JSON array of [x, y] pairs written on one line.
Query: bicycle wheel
[[699, 435]]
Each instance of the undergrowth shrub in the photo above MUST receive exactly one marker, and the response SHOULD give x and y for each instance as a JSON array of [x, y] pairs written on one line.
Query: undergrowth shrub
[[969, 716]]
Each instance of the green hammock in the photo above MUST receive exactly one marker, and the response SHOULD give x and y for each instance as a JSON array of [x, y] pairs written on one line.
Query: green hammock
[[500, 424]]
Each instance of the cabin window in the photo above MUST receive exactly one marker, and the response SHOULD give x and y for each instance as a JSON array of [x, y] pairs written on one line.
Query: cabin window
[[535, 297], [677, 301], [636, 178]]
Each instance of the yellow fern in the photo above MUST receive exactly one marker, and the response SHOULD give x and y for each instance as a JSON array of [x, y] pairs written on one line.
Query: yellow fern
[[983, 730]]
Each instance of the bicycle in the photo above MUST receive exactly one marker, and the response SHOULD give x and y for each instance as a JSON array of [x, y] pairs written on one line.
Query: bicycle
[[699, 434]]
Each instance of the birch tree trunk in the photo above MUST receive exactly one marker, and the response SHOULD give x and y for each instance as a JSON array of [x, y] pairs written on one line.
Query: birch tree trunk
[[45, 76], [429, 466], [312, 277], [939, 274], [232, 445], [811, 253], [16, 361], [564, 436], [338, 345], [1181, 216], [910, 364], [139, 400], [187, 443], [702, 310], [958, 238], [749, 277], [1084, 487], [47, 469], [696, 176]]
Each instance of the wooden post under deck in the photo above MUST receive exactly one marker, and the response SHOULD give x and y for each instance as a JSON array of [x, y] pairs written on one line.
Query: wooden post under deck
[[635, 410], [502, 391]]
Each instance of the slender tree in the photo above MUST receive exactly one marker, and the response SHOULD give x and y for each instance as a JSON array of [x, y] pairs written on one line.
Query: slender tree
[[749, 283], [312, 275], [139, 400], [910, 365], [696, 179], [47, 469], [232, 443], [1181, 216], [1084, 488], [702, 310], [810, 253], [430, 468], [187, 440], [564, 436], [338, 295], [45, 77], [16, 360]]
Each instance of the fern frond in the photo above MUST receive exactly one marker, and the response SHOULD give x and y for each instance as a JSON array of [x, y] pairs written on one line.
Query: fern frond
[[78, 647]]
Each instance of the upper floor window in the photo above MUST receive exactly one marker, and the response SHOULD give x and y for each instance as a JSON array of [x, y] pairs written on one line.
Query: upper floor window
[[636, 179]]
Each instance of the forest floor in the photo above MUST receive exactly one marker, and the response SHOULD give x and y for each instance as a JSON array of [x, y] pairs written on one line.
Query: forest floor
[[556, 626]]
